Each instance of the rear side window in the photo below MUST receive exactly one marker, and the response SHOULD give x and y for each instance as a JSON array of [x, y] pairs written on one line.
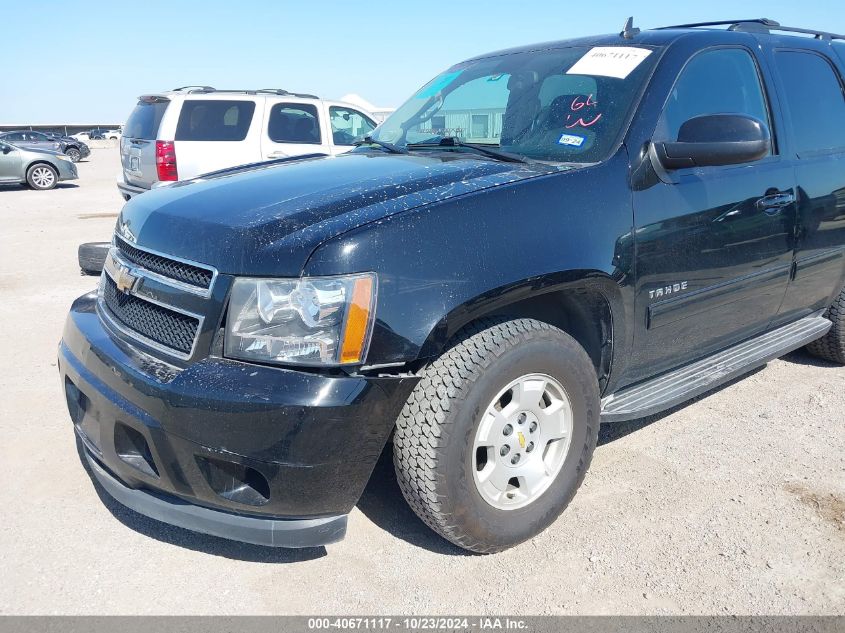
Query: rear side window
[[814, 97], [144, 121], [212, 120], [294, 123], [720, 81]]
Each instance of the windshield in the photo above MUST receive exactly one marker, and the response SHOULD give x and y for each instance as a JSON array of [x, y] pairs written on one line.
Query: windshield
[[560, 105]]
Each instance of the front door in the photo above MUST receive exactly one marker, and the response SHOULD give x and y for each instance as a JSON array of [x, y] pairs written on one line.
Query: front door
[[714, 244], [10, 163], [348, 126]]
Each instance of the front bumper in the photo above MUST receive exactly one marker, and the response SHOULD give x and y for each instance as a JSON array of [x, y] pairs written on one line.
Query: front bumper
[[84, 151], [247, 452], [67, 170]]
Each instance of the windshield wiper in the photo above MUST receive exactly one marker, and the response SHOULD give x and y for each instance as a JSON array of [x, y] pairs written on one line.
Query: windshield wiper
[[451, 141], [390, 147]]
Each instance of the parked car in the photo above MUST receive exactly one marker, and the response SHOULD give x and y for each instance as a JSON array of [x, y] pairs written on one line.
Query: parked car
[[76, 150], [538, 241], [182, 133], [97, 134], [113, 135], [40, 169]]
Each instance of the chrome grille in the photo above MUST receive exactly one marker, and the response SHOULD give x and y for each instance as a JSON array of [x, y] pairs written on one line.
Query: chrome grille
[[166, 327], [141, 298], [168, 267]]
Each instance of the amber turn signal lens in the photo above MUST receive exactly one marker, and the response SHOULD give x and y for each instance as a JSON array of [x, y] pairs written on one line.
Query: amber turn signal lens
[[357, 321]]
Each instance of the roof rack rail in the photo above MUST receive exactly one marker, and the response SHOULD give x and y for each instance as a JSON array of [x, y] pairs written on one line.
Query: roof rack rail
[[195, 88], [759, 25], [284, 93], [275, 91]]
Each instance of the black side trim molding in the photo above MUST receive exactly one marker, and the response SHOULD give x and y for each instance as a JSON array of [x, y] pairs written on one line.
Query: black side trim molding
[[687, 305], [247, 529], [679, 385], [813, 264]]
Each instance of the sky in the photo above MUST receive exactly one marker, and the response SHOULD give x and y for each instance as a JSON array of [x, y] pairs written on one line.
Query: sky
[[78, 61]]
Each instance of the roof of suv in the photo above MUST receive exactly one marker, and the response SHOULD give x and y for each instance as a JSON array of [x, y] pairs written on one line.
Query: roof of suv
[[209, 90], [662, 36]]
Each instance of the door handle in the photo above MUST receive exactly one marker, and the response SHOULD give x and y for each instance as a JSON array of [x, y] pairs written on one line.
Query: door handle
[[772, 204], [277, 155]]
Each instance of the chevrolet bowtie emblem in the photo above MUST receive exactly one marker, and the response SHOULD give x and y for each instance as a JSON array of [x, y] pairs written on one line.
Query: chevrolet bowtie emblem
[[125, 280], [122, 275], [521, 439]]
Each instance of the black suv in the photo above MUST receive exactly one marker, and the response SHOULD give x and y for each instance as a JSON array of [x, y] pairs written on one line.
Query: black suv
[[538, 241]]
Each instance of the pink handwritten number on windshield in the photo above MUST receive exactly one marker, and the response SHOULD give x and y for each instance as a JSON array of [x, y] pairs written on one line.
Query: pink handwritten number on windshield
[[577, 104]]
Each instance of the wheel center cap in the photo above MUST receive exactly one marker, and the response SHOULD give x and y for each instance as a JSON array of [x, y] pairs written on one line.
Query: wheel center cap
[[523, 438]]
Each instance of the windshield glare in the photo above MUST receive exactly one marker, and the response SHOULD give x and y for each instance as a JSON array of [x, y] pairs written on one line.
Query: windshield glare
[[528, 104]]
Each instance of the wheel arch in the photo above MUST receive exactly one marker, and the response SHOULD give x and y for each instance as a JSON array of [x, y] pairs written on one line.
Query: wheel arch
[[587, 305], [40, 161]]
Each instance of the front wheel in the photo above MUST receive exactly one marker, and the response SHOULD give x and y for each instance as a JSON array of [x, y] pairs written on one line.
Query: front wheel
[[42, 176], [73, 154], [497, 436]]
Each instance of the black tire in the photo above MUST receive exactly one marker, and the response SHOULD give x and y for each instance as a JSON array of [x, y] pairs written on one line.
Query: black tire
[[432, 449], [92, 256], [832, 345], [34, 180], [74, 154]]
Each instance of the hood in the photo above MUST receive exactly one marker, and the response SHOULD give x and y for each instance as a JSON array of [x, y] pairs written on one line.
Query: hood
[[268, 218]]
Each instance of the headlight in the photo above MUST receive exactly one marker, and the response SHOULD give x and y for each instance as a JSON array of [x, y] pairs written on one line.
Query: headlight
[[308, 321]]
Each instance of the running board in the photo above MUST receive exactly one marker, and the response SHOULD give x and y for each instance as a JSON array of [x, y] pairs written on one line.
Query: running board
[[668, 390]]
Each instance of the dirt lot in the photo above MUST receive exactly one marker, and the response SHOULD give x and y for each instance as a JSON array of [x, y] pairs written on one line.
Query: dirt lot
[[732, 504]]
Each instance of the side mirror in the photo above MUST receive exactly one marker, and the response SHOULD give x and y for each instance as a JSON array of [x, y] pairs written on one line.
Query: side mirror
[[6, 149], [92, 257], [715, 139]]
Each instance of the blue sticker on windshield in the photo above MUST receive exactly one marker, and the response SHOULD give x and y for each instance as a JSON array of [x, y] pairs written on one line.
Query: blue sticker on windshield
[[437, 84], [571, 139]]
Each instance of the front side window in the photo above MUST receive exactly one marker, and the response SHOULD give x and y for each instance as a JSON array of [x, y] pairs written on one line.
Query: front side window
[[348, 125], [557, 105], [294, 123], [721, 81], [214, 120], [814, 97]]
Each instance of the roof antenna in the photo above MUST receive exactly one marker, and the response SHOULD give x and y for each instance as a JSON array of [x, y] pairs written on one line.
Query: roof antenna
[[630, 30]]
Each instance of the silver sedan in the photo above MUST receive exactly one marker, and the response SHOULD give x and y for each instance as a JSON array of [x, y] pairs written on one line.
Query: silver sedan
[[40, 169]]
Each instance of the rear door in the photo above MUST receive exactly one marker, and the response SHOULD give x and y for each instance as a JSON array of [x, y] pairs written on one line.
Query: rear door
[[347, 126], [138, 144], [39, 140], [292, 129], [216, 133], [813, 91]]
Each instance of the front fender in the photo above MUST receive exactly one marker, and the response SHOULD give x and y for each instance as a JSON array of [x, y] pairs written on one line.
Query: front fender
[[442, 265]]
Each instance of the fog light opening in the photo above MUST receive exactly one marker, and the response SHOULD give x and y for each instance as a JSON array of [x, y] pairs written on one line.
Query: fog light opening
[[235, 482], [133, 449], [77, 402]]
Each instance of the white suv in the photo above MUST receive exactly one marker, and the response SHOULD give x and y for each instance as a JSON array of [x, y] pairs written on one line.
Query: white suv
[[189, 131]]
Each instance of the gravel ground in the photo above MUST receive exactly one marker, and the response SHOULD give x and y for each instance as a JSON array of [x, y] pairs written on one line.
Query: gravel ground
[[732, 504]]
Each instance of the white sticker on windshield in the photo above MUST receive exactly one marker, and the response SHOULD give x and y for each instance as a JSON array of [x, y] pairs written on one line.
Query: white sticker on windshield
[[609, 61], [571, 139]]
